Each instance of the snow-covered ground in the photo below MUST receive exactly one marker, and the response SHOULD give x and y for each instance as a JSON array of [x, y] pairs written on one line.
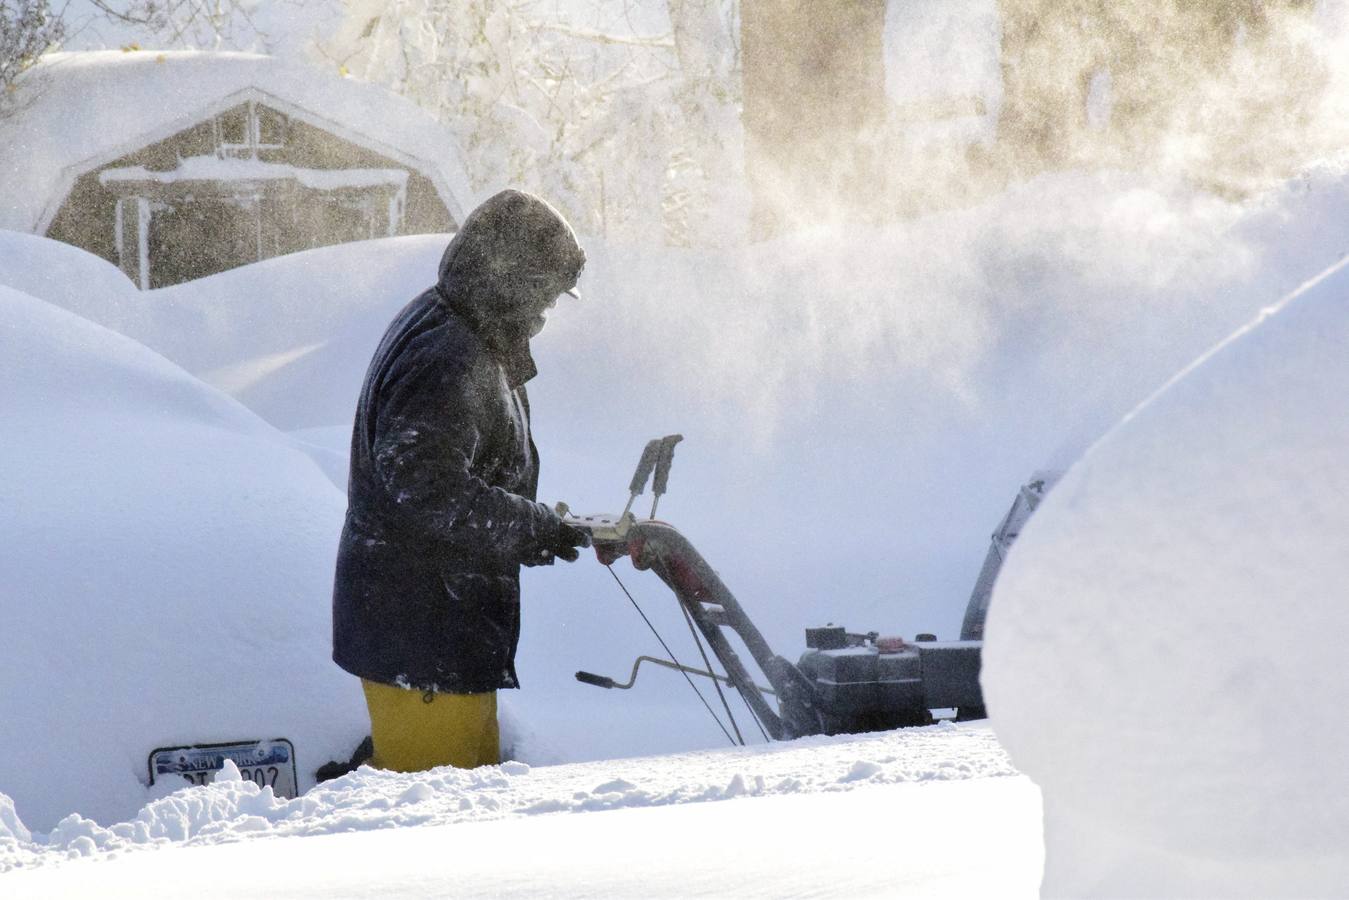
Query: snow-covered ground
[[927, 812]]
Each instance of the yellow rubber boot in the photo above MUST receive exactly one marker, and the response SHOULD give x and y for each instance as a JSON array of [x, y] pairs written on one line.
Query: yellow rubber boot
[[415, 730]]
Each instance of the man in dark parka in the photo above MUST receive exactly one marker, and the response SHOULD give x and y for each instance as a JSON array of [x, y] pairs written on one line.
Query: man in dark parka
[[441, 499]]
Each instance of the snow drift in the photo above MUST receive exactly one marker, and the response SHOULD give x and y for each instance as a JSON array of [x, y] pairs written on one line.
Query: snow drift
[[970, 828], [1165, 645], [165, 572], [290, 336], [65, 276]]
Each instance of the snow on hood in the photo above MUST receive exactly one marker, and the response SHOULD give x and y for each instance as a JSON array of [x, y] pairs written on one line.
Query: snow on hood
[[511, 259], [77, 111], [512, 236], [1165, 645]]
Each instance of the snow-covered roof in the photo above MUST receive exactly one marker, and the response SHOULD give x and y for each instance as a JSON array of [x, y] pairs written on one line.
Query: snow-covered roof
[[78, 111], [212, 168]]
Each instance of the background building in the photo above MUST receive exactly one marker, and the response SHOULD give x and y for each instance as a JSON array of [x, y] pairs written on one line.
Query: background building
[[228, 159]]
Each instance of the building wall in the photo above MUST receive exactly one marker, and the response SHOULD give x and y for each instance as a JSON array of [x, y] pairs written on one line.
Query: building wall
[[201, 235], [1161, 57]]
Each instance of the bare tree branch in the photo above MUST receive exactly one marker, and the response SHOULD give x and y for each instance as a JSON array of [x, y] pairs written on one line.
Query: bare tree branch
[[188, 23], [661, 41], [28, 29]]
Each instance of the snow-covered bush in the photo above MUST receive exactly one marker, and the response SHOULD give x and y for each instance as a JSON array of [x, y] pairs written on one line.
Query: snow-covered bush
[[626, 115], [1165, 646]]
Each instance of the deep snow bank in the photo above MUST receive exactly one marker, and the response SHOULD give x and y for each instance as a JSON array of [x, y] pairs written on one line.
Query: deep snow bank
[[64, 275], [232, 809], [1165, 645], [289, 337], [960, 839], [165, 575]]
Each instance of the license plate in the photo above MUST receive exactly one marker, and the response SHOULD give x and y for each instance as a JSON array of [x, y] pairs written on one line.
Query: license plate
[[265, 763]]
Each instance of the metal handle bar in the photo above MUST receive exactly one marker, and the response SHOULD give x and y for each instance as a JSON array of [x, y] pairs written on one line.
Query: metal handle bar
[[606, 682], [660, 547]]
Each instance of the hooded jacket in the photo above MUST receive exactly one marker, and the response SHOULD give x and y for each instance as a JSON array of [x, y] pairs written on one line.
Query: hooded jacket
[[441, 507]]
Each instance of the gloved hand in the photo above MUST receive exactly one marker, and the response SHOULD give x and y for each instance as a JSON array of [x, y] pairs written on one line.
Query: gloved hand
[[569, 538], [564, 545]]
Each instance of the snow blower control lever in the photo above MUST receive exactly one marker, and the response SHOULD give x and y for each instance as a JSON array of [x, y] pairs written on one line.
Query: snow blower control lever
[[657, 456], [843, 683], [608, 683]]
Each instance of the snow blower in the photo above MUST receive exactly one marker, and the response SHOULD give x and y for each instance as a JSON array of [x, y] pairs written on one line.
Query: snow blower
[[844, 682]]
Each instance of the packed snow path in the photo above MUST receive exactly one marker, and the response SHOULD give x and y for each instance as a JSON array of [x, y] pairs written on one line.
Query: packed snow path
[[922, 809]]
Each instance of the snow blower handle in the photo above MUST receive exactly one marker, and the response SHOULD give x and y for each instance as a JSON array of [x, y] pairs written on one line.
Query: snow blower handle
[[664, 459], [600, 526], [597, 680], [644, 467], [657, 455], [609, 533]]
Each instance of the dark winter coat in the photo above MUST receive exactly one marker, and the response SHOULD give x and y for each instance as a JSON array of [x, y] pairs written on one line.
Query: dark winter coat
[[441, 499]]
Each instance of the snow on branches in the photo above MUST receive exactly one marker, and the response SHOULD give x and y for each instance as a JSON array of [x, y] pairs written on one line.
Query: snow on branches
[[28, 28], [626, 115]]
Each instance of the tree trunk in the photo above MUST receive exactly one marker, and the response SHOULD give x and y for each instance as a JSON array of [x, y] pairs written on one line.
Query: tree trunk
[[814, 89]]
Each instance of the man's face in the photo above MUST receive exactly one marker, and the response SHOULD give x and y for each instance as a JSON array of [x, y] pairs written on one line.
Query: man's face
[[540, 318], [542, 297]]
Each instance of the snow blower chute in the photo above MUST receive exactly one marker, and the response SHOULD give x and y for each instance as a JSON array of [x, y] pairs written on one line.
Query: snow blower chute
[[844, 682]]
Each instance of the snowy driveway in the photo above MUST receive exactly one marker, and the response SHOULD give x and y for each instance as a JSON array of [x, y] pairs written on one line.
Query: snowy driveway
[[927, 811]]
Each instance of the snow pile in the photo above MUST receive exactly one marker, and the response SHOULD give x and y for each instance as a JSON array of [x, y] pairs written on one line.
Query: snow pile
[[1165, 647], [234, 809], [66, 276], [959, 840], [165, 577], [289, 337], [12, 830]]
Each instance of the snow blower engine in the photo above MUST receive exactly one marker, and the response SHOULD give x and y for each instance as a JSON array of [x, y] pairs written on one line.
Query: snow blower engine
[[845, 682]]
